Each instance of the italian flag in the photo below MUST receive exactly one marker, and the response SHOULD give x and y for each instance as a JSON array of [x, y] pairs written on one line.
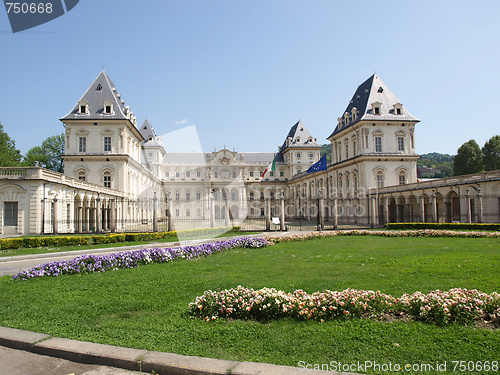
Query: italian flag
[[271, 167]]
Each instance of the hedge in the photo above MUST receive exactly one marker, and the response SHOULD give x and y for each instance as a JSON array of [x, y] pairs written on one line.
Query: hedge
[[72, 240], [452, 226]]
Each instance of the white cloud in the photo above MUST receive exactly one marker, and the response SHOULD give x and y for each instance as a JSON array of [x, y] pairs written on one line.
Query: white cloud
[[181, 122]]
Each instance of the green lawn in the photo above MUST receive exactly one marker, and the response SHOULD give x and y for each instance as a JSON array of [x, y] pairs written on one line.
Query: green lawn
[[146, 307]]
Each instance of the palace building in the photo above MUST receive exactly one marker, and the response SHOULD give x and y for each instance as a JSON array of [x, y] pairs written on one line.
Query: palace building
[[118, 176]]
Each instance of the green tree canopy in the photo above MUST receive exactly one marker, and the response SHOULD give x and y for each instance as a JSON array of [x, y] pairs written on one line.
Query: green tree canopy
[[491, 154], [9, 155], [469, 159], [48, 155]]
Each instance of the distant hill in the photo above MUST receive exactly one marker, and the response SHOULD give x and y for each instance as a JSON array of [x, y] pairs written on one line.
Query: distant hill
[[435, 160]]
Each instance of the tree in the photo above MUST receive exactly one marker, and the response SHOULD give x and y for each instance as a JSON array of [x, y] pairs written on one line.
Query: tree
[[491, 154], [9, 155], [326, 149], [48, 155], [469, 159]]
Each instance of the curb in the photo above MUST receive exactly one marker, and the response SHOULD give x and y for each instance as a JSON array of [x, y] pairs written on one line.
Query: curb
[[138, 359]]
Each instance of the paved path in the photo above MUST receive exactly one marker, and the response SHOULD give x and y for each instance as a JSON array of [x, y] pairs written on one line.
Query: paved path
[[20, 362]]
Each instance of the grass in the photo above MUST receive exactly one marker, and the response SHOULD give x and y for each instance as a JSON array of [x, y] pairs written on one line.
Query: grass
[[146, 307], [43, 250]]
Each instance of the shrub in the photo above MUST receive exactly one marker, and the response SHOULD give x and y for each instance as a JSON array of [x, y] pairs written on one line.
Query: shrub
[[452, 226]]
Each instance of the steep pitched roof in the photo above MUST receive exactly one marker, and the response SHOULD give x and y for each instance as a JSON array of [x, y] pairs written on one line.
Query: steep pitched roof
[[369, 92], [299, 136], [147, 130], [100, 90]]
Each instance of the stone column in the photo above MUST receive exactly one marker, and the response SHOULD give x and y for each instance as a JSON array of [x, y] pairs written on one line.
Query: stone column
[[155, 220], [212, 211], [479, 207], [55, 214], [335, 214], [422, 209], [321, 213], [373, 212], [386, 210], [112, 216], [105, 219], [268, 214], [434, 208], [282, 213], [97, 216], [79, 219]]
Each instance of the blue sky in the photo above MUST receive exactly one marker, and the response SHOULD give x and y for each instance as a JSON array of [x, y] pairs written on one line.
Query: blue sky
[[243, 72]]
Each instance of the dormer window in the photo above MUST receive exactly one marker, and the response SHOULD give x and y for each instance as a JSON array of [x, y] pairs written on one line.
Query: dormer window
[[108, 107], [398, 109], [346, 118], [376, 108], [83, 107], [354, 113]]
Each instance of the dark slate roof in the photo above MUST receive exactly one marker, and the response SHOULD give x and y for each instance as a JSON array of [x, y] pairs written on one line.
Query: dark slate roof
[[100, 90], [148, 132], [299, 130], [371, 91]]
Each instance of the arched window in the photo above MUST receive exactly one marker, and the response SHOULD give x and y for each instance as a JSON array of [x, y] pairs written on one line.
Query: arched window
[[82, 176]]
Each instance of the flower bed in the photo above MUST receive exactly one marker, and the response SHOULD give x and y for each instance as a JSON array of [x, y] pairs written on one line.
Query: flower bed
[[455, 306], [131, 259], [383, 233]]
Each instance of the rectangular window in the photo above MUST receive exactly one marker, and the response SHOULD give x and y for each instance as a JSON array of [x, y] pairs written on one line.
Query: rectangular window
[[233, 196], [298, 155], [167, 174], [261, 196], [251, 173], [82, 144], [380, 181], [177, 196], [339, 153], [271, 174], [177, 174], [234, 174], [347, 151], [198, 196], [401, 144], [198, 212], [83, 109], [398, 111], [216, 174], [188, 174], [177, 212], [282, 174], [107, 144], [261, 212], [108, 109], [377, 110], [198, 174], [311, 156], [354, 147], [252, 196], [402, 179], [378, 144], [188, 196], [188, 212], [10, 214], [107, 181]]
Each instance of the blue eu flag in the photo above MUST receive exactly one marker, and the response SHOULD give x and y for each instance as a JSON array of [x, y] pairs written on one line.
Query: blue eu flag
[[318, 166]]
